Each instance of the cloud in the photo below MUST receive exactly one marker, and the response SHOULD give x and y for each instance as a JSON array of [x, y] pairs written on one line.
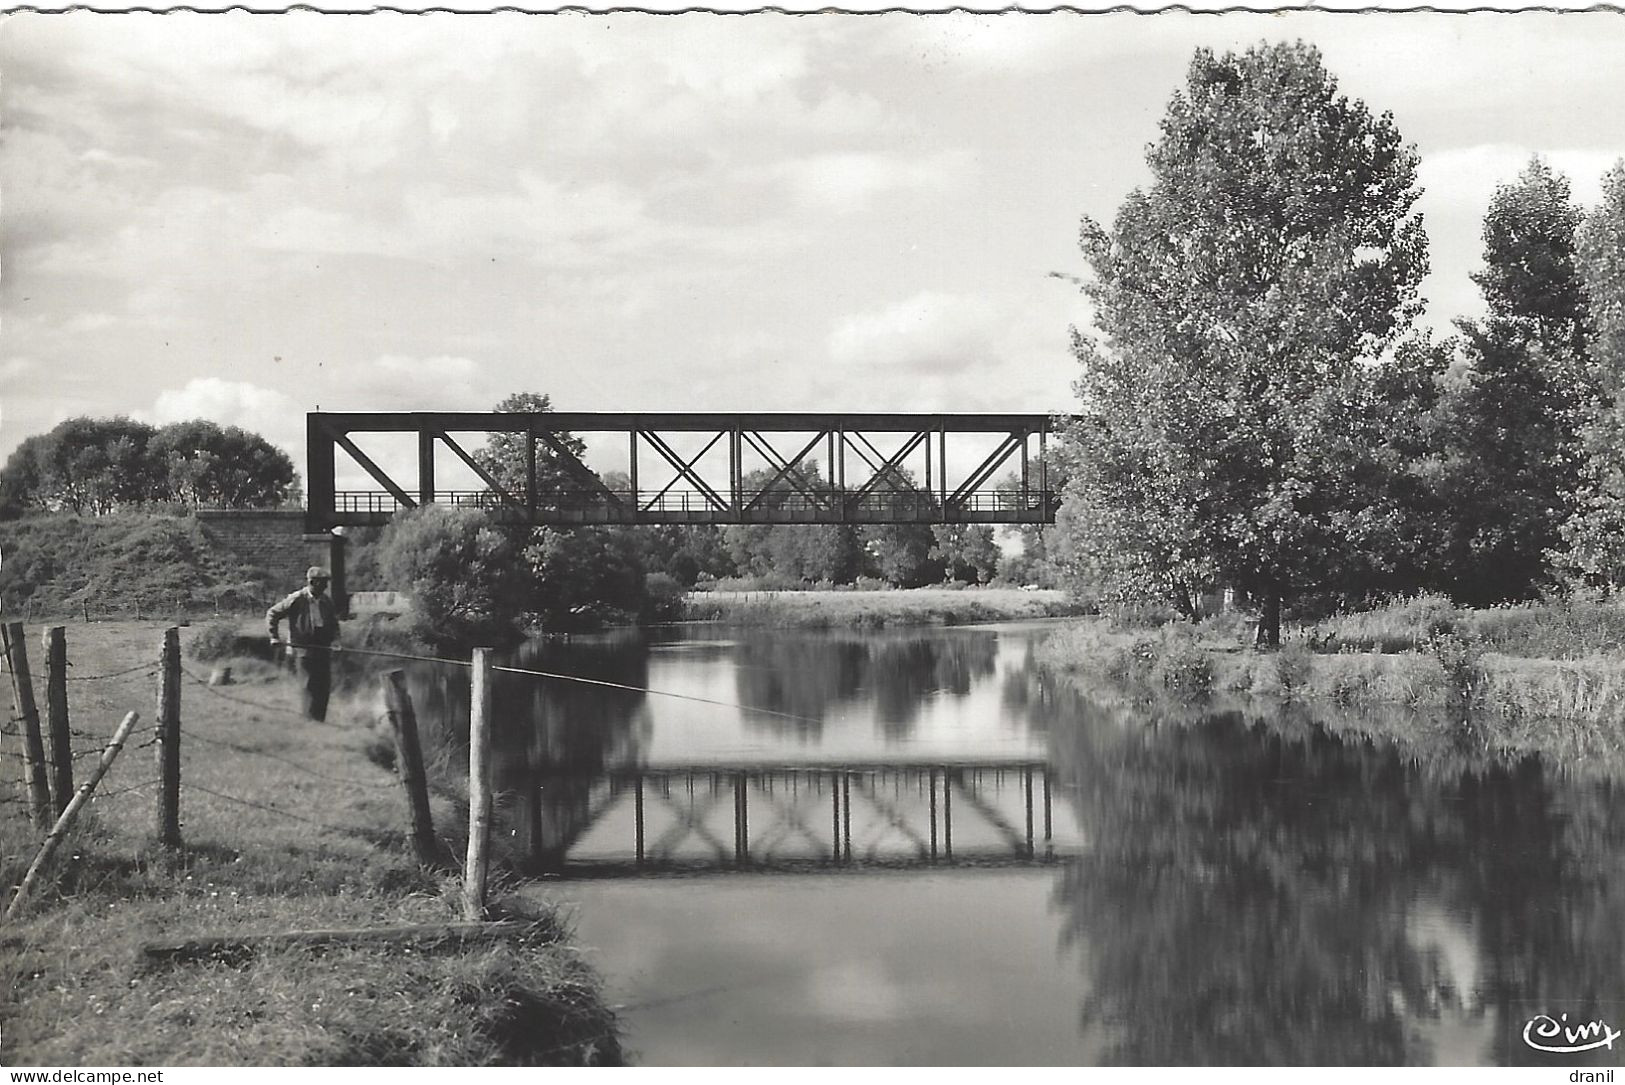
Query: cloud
[[277, 417], [929, 333], [228, 402], [848, 181]]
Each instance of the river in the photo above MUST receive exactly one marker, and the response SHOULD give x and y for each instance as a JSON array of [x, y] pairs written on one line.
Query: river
[[914, 847]]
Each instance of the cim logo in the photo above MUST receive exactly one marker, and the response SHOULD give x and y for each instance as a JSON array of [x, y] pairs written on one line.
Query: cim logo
[[1544, 1034]]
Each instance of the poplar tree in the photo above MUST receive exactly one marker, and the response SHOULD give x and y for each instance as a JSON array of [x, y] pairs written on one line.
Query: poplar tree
[[1242, 301]]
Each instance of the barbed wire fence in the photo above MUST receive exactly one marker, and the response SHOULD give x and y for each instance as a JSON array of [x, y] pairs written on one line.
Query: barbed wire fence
[[43, 789]]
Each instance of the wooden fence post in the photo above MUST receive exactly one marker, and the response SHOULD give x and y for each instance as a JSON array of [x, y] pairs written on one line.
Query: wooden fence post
[[168, 749], [403, 722], [22, 696], [479, 787], [65, 822], [56, 715]]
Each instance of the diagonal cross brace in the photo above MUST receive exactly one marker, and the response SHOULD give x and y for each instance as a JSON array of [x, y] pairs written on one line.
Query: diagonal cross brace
[[997, 457], [894, 464], [690, 821], [788, 815], [569, 459], [786, 468], [685, 468], [360, 457], [473, 465]]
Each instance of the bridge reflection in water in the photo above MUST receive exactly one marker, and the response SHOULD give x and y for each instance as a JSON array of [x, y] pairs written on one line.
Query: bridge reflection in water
[[792, 818]]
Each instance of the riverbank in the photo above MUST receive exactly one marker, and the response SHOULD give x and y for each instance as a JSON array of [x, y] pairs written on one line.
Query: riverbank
[[1570, 707], [288, 825], [861, 609]]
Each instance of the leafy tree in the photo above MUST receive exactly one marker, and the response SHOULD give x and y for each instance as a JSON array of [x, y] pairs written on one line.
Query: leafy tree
[[22, 487], [1511, 431], [504, 455], [95, 465], [1042, 546], [1409, 547], [201, 463], [586, 576], [794, 552], [100, 465], [1594, 536], [1243, 300], [901, 553], [967, 552], [464, 573]]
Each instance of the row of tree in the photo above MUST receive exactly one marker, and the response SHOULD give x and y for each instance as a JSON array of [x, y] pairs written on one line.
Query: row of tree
[[1258, 409], [94, 466]]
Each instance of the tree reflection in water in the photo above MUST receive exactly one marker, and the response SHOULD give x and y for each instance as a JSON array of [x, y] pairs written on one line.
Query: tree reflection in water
[[551, 737], [811, 676], [1263, 891]]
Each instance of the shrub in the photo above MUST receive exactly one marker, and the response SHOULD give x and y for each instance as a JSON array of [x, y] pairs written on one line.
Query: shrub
[[663, 597], [1182, 666], [464, 573], [1462, 660], [217, 640], [1294, 667], [1403, 625]]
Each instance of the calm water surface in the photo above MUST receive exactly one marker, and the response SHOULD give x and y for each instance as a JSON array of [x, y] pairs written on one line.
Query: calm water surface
[[913, 848]]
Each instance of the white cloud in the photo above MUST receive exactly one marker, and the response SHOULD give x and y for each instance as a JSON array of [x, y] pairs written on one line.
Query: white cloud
[[228, 402], [277, 417], [930, 332], [848, 181]]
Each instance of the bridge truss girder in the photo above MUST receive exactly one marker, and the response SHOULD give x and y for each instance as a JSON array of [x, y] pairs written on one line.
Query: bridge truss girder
[[858, 481]]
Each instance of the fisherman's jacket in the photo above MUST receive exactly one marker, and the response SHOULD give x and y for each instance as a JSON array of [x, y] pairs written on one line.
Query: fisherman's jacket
[[313, 620]]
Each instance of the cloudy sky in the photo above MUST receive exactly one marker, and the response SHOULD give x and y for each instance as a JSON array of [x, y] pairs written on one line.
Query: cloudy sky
[[248, 217]]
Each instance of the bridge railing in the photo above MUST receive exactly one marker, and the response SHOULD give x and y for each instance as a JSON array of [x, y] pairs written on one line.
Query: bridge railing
[[754, 504]]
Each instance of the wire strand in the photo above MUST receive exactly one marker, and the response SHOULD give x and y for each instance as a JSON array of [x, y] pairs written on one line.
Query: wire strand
[[270, 809], [588, 681], [261, 705], [659, 693], [150, 667], [258, 752]]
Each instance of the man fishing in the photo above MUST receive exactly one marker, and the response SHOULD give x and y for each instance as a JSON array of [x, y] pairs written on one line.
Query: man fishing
[[313, 625]]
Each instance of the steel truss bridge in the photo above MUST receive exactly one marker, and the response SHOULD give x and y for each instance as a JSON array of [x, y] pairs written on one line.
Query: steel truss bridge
[[797, 819], [819, 468]]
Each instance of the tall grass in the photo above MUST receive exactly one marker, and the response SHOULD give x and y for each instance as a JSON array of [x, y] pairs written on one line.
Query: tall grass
[[875, 609], [1575, 628], [296, 830]]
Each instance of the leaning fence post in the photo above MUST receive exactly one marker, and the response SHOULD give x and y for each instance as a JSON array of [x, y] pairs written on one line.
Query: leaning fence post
[[22, 696], [168, 748], [56, 715], [63, 823], [403, 723], [479, 787]]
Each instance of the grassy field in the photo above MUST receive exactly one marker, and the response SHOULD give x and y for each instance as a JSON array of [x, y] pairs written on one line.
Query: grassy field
[[288, 825], [870, 609], [1478, 667]]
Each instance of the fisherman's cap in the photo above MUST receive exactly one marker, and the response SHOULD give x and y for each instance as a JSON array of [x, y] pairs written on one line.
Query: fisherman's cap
[[316, 572]]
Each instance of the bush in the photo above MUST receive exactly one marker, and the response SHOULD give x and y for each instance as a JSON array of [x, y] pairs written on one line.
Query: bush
[[1462, 660], [1182, 666], [217, 640], [1294, 667], [663, 597], [465, 575], [1404, 625]]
